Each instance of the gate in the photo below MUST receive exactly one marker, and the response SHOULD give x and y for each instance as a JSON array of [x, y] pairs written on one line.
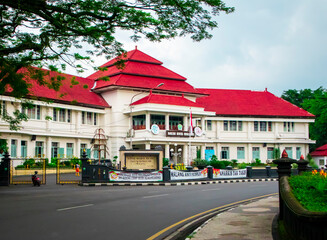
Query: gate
[[68, 171], [22, 169]]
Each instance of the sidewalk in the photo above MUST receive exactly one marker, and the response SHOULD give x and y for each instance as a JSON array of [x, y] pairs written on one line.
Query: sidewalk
[[246, 222]]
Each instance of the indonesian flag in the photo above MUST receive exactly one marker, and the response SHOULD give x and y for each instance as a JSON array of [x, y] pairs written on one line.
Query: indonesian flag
[[191, 122]]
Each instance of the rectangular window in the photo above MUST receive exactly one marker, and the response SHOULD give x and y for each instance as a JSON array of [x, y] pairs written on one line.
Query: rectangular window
[[289, 152], [70, 150], [256, 126], [269, 126], [240, 153], [95, 119], [54, 149], [174, 121], [33, 113], [270, 153], [255, 153], [209, 125], [13, 150], [83, 117], [89, 118], [225, 153], [55, 117], [232, 125], [288, 126], [23, 148], [159, 120], [39, 149], [225, 125], [62, 115], [240, 126], [298, 153], [69, 113], [263, 126], [322, 162]]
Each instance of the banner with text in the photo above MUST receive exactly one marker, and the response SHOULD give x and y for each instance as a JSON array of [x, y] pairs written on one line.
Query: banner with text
[[185, 175], [223, 173], [119, 176]]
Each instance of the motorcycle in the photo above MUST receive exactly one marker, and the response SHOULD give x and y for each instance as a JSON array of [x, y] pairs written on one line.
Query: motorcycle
[[36, 180]]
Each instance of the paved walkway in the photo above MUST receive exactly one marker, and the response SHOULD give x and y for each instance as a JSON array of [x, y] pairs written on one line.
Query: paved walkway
[[246, 222]]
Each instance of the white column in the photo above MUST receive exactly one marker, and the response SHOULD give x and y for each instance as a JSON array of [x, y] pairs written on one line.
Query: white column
[[77, 149], [78, 120], [217, 130], [217, 151], [48, 148], [167, 151], [185, 154], [250, 127], [202, 124], [147, 146], [276, 129], [147, 121], [185, 123], [167, 121], [249, 152], [202, 151]]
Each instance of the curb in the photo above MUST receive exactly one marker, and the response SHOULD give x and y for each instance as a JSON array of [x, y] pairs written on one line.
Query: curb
[[179, 183]]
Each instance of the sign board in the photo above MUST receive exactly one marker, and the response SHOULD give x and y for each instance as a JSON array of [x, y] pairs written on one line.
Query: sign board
[[223, 173], [171, 133], [198, 131], [137, 161], [155, 129], [186, 175], [119, 176]]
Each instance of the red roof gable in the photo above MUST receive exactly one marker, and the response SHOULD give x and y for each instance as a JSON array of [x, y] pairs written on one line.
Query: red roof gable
[[249, 103], [141, 71], [79, 93], [147, 83], [167, 100], [320, 151]]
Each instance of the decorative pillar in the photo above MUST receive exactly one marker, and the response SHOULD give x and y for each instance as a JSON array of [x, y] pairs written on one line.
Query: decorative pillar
[[167, 151], [48, 148], [147, 121], [185, 123], [167, 121], [302, 165], [185, 159], [202, 152]]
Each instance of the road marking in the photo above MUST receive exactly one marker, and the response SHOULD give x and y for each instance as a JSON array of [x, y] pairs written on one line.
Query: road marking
[[160, 195], [70, 208], [202, 213], [213, 189]]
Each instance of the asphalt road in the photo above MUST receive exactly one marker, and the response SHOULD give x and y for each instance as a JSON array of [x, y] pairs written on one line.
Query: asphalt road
[[85, 213]]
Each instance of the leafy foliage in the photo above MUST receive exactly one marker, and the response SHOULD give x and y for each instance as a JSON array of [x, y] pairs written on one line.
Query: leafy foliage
[[315, 102], [310, 190], [47, 34]]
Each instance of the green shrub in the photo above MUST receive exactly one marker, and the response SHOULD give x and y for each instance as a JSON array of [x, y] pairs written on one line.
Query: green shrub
[[19, 167], [310, 190], [52, 165], [219, 164], [234, 162], [29, 162], [200, 163], [241, 165], [165, 162]]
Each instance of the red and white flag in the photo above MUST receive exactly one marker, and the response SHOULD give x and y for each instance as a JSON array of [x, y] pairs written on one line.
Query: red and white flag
[[191, 122]]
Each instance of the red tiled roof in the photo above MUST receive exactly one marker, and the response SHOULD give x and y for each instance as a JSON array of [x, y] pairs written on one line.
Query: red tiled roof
[[142, 71], [147, 83], [320, 151], [249, 103], [79, 94], [167, 100]]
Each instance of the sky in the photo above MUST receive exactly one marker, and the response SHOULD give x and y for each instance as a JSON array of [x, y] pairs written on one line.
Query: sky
[[278, 45]]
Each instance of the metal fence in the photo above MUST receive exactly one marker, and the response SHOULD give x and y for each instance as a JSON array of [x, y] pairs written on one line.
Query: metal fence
[[68, 171], [22, 169]]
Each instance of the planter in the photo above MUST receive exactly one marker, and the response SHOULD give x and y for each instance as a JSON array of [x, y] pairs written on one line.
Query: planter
[[300, 223]]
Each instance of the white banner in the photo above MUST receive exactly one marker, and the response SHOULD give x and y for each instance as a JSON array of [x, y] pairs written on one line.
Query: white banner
[[223, 173], [119, 176], [185, 175]]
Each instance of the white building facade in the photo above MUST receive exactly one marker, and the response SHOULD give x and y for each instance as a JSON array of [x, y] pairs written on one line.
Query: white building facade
[[146, 105]]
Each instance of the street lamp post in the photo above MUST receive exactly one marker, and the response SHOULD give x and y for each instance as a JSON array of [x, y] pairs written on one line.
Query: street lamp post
[[131, 111], [176, 153]]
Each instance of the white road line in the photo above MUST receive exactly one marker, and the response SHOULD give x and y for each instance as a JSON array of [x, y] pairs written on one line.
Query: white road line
[[214, 189], [156, 196], [70, 208]]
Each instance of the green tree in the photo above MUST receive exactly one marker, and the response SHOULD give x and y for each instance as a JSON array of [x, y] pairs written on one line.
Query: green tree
[[318, 107], [315, 102], [44, 33]]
